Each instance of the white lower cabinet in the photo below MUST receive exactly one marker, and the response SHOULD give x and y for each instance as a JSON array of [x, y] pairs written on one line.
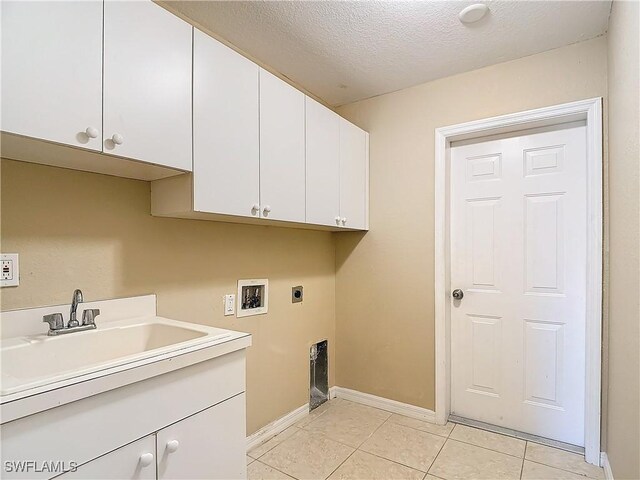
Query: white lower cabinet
[[209, 444], [136, 460]]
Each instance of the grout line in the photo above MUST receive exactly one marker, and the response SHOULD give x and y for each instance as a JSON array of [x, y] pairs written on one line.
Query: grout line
[[437, 455], [587, 477], [277, 470], [526, 443], [419, 429]]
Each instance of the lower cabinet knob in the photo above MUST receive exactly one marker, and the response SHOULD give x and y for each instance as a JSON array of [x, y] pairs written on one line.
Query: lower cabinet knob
[[91, 132], [146, 459], [117, 139], [172, 445]]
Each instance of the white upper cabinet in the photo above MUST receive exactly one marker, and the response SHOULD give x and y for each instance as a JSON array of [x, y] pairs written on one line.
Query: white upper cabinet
[[226, 151], [282, 151], [323, 165], [52, 71], [354, 164], [147, 84]]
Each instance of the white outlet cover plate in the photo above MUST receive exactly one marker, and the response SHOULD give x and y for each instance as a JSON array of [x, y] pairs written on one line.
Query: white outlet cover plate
[[229, 305], [9, 270]]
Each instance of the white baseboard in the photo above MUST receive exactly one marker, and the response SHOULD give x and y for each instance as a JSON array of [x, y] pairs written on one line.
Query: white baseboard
[[274, 428], [386, 404], [604, 463]]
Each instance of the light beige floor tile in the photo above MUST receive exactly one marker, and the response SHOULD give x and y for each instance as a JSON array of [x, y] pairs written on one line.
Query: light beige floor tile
[[348, 423], [442, 430], [554, 457], [249, 459], [258, 451], [537, 471], [305, 455], [490, 440], [364, 466], [316, 412], [259, 471], [404, 445], [461, 461]]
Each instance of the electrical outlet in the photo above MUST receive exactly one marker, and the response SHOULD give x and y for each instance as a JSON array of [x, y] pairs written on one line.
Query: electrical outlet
[[229, 305], [9, 270], [296, 294]]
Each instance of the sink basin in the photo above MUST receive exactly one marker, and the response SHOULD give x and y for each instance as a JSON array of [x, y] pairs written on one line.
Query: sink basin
[[34, 361]]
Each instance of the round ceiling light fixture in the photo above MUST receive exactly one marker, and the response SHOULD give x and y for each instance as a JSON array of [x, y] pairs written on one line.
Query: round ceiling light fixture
[[473, 13]]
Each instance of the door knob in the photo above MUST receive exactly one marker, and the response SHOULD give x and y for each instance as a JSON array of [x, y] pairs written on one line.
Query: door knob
[[337, 220], [266, 209], [255, 208], [172, 445], [344, 220], [146, 459], [91, 132], [457, 294], [117, 139]]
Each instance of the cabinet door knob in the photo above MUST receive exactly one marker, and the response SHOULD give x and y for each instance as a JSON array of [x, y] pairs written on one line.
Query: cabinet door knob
[[172, 445], [337, 220], [254, 208], [344, 220], [117, 139], [91, 132], [146, 459], [266, 209]]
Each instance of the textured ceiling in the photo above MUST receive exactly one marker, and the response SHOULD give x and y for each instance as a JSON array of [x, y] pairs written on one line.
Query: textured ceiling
[[343, 51]]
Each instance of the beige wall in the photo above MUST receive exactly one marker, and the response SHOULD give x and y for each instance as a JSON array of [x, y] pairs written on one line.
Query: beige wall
[[75, 229], [623, 433], [385, 279]]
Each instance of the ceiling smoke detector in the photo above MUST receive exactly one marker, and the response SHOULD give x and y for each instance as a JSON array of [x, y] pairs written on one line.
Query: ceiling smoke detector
[[473, 13]]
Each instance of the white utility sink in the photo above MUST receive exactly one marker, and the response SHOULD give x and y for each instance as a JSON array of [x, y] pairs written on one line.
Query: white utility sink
[[33, 361]]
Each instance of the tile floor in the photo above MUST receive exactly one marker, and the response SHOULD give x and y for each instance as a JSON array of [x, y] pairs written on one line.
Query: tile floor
[[345, 440]]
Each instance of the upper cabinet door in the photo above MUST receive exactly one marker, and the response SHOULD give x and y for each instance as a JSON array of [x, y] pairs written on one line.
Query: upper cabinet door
[[226, 154], [147, 84], [52, 71], [323, 164], [282, 152], [354, 163]]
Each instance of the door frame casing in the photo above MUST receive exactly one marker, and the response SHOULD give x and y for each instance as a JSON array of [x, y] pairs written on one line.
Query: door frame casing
[[589, 111]]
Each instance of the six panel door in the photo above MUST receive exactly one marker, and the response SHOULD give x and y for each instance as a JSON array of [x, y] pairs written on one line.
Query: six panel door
[[282, 150], [210, 444], [518, 251], [226, 150], [323, 165], [52, 71], [147, 84]]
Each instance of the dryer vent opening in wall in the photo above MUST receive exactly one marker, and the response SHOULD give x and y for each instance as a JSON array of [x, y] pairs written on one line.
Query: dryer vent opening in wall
[[318, 375]]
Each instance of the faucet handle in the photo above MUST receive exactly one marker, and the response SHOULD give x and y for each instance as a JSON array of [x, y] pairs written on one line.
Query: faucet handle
[[54, 320], [89, 316]]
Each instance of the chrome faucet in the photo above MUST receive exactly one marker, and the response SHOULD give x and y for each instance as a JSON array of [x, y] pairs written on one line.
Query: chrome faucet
[[75, 300], [56, 322]]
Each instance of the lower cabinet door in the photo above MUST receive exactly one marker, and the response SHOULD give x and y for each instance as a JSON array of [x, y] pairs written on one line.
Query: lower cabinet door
[[136, 460], [210, 444]]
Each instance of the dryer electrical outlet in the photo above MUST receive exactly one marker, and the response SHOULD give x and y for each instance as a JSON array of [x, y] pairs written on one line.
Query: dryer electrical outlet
[[9, 270]]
